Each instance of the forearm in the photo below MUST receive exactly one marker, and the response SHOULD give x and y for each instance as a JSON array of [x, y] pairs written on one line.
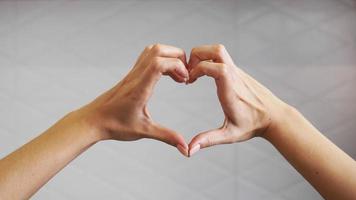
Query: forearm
[[24, 171], [120, 113], [331, 171]]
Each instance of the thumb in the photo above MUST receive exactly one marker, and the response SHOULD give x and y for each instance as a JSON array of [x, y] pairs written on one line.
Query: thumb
[[207, 139], [168, 136]]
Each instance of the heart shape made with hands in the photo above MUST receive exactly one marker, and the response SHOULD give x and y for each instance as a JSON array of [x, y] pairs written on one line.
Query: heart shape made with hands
[[196, 106], [210, 60], [242, 98], [197, 67]]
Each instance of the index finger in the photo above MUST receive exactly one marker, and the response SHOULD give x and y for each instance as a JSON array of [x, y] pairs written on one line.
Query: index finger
[[162, 50], [216, 53]]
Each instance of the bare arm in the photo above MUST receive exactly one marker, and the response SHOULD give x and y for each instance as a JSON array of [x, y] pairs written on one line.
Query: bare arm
[[330, 170], [119, 114], [252, 110], [24, 171]]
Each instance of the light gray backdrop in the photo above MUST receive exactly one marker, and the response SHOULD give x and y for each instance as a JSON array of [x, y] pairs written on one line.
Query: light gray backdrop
[[58, 55]]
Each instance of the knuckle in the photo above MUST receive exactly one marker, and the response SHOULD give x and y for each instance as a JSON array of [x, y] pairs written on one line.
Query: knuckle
[[155, 63], [223, 70], [201, 69], [147, 48], [178, 62], [209, 141], [156, 48], [220, 49], [229, 137], [194, 50], [182, 54]]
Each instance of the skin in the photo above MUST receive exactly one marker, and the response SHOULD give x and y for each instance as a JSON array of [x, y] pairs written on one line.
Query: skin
[[118, 114], [252, 110], [121, 114]]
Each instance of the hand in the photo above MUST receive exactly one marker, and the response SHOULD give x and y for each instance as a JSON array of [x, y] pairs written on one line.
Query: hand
[[249, 108], [121, 113]]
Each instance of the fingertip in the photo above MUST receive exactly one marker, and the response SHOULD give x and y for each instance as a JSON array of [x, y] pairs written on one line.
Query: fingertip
[[207, 139], [195, 141], [183, 69], [194, 150], [183, 150], [182, 72], [180, 142], [190, 81], [192, 76], [182, 145], [181, 79], [178, 77]]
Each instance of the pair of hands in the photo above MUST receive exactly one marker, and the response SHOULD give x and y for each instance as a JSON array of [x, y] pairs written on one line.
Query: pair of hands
[[121, 113]]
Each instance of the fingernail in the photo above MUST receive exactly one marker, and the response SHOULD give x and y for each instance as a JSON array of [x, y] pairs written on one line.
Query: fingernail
[[182, 150], [193, 150], [181, 72]]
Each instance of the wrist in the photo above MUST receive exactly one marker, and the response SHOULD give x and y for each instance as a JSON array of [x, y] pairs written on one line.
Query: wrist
[[86, 124], [281, 121]]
